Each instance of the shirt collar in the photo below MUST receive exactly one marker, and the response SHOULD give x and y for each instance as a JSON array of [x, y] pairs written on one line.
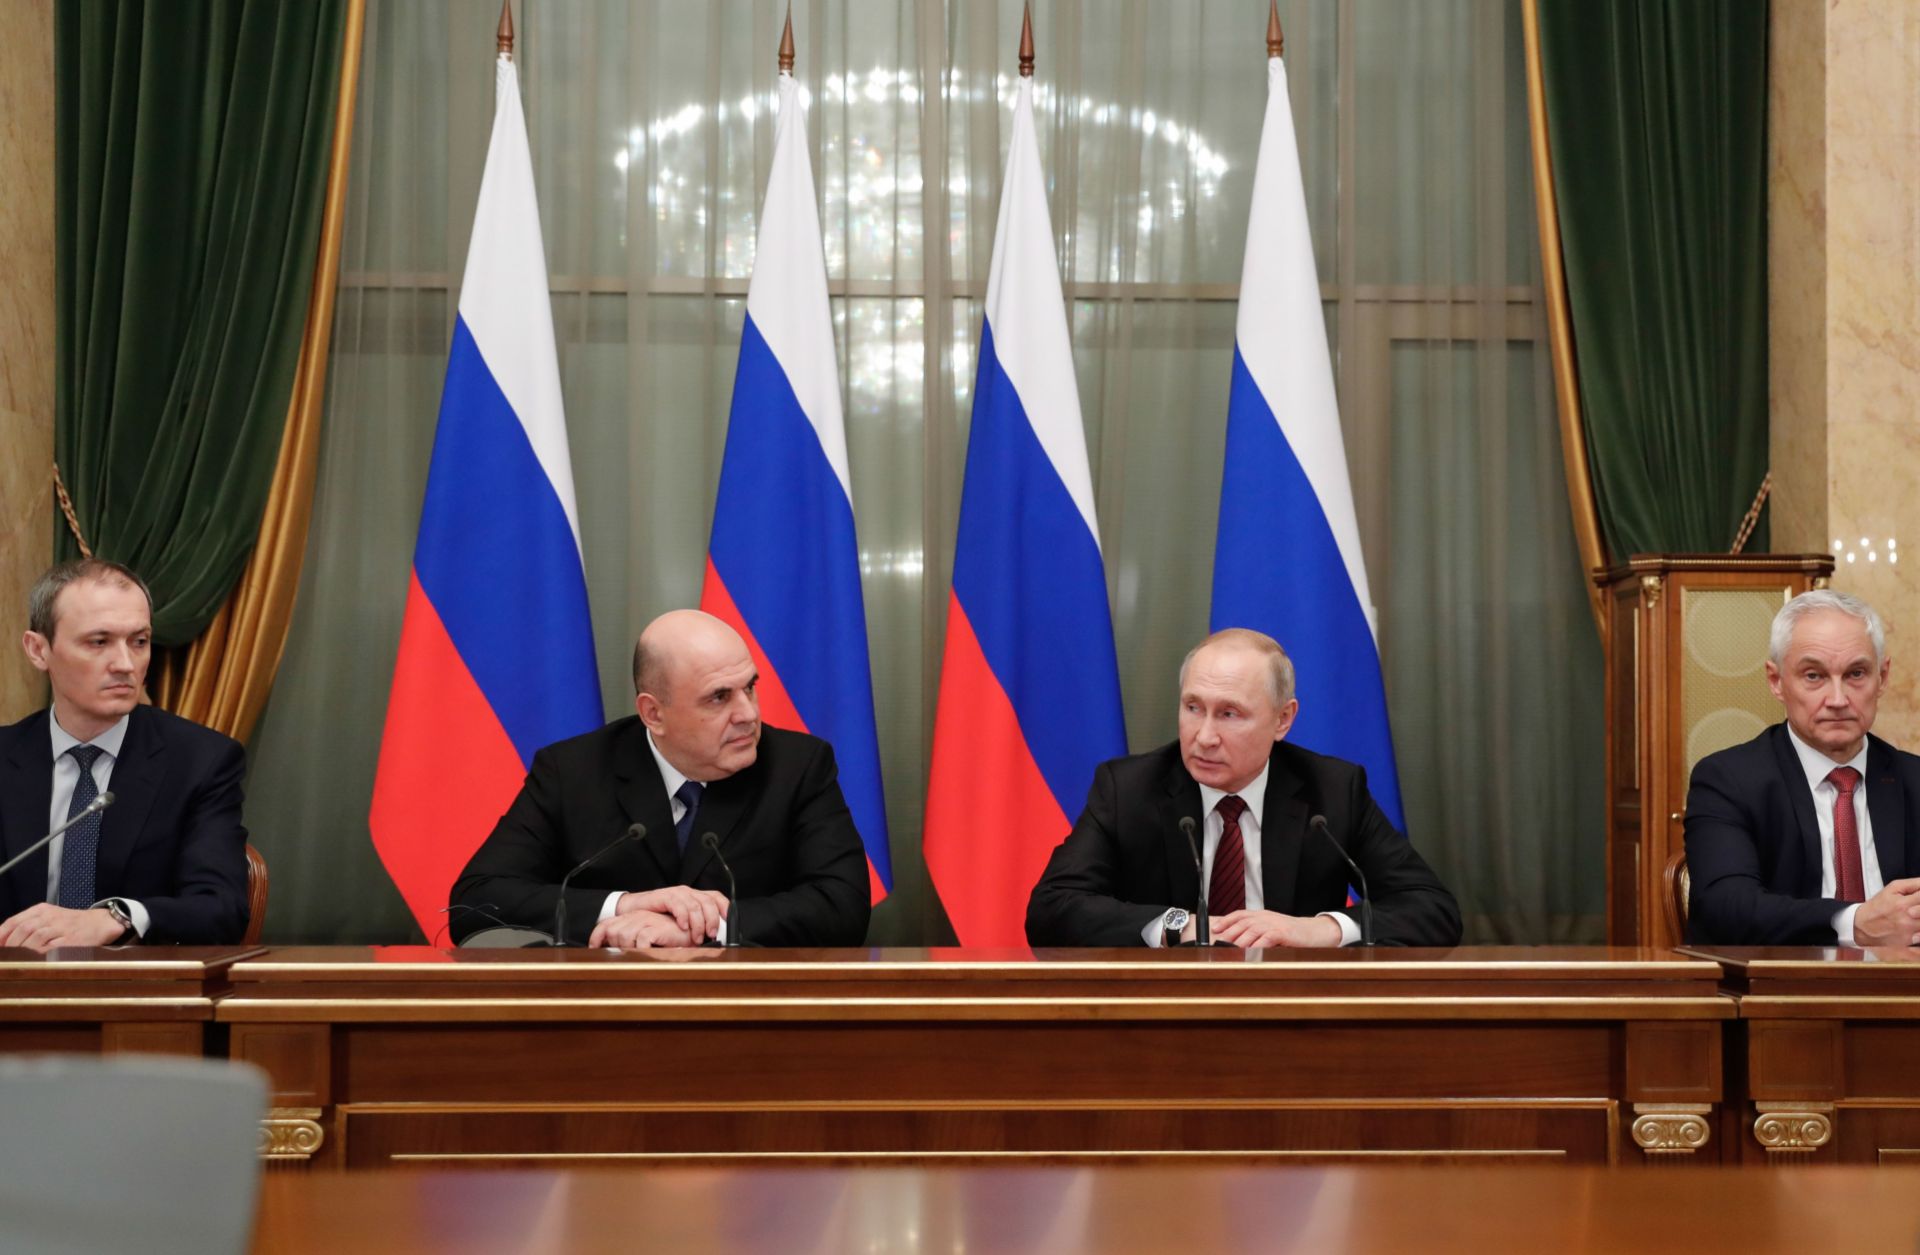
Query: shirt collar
[[1818, 766], [1254, 795], [670, 775], [111, 740]]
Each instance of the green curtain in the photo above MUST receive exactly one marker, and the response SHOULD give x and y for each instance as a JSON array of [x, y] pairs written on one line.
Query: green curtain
[[1656, 113], [191, 169]]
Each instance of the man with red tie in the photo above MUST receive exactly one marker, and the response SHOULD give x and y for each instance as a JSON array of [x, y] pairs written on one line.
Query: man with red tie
[[1806, 835], [1125, 875]]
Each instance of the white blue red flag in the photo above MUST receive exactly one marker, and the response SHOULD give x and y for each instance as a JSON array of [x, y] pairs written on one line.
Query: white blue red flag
[[496, 649], [783, 566], [1287, 561], [1029, 697]]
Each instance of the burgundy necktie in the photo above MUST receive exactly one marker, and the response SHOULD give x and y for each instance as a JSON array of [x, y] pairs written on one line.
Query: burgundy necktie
[[1848, 879], [1227, 887]]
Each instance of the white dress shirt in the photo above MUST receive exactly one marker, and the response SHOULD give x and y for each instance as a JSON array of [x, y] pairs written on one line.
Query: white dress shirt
[[1818, 767], [672, 777], [66, 778], [1214, 827]]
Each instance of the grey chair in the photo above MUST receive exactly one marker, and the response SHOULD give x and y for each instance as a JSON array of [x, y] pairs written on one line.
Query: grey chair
[[134, 1153]]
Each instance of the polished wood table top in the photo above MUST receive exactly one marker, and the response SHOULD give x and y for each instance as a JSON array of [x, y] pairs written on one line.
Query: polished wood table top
[[1060, 1210], [407, 982], [147, 983], [1819, 982]]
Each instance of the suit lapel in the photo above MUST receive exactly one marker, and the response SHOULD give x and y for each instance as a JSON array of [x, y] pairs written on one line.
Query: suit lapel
[[1887, 806], [135, 781], [26, 797], [1794, 776], [1283, 830], [643, 799], [721, 806], [1180, 798]]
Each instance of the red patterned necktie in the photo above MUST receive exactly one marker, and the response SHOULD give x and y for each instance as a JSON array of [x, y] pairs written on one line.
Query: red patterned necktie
[[1849, 881], [1227, 887]]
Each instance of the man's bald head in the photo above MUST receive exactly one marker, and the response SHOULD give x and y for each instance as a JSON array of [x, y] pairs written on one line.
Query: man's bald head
[[674, 637], [694, 687]]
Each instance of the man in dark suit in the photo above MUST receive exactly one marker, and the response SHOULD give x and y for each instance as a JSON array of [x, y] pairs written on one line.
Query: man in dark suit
[[167, 860], [1809, 834], [693, 760], [1125, 873]]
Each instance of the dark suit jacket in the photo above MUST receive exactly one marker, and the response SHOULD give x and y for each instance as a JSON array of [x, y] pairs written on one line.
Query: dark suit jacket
[[782, 824], [1753, 841], [1126, 860], [172, 839]]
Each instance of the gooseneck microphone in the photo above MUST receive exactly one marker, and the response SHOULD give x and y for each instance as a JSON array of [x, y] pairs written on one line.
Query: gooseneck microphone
[[734, 936], [1319, 823], [1202, 925], [94, 807], [637, 832]]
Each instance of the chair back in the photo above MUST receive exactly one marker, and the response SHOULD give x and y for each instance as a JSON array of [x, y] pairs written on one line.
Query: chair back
[[1679, 884], [256, 896], [138, 1153]]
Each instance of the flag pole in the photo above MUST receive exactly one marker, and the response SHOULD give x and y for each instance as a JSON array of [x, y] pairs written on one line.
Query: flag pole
[[503, 37]]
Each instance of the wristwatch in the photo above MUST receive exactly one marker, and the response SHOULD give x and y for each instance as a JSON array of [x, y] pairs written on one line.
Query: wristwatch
[[1172, 924], [120, 915]]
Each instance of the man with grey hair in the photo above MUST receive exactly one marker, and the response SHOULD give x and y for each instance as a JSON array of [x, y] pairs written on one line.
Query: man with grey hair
[[1125, 875], [1809, 834], [167, 860]]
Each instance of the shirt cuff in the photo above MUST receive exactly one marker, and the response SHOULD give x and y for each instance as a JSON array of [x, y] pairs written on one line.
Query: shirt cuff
[[611, 907], [1155, 933], [1843, 925], [1349, 931]]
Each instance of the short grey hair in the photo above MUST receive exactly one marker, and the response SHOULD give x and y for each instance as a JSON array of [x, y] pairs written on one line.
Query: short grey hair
[[1279, 666], [43, 601], [649, 671], [1781, 637]]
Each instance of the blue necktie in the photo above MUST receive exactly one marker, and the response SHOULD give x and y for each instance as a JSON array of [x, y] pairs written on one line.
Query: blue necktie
[[688, 795], [80, 848]]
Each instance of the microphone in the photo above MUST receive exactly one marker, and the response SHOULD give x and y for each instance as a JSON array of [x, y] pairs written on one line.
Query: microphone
[[1319, 824], [734, 937], [94, 807], [1202, 925], [638, 832]]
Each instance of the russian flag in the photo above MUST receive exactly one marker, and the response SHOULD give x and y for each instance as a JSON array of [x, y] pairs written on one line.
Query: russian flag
[[1029, 698], [496, 648], [783, 566], [1287, 561]]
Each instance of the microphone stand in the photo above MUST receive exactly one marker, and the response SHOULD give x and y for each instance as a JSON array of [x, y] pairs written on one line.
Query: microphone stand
[[94, 807], [637, 832]]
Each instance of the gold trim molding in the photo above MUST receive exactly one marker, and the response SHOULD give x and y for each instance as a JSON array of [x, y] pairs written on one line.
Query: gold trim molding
[[291, 1133], [1794, 1128], [1661, 1128]]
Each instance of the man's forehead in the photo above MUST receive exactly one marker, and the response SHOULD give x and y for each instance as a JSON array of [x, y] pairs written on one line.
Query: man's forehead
[[97, 599], [1220, 668]]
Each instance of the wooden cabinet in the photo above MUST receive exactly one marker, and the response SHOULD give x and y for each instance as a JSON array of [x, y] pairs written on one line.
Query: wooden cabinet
[[1686, 645]]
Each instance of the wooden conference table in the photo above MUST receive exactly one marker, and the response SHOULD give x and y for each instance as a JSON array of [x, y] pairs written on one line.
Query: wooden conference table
[[1144, 1208], [153, 1001], [1826, 1052], [562, 1058]]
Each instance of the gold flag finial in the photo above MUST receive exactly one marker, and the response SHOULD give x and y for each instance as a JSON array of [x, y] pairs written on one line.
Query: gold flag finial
[[504, 36], [1026, 42], [786, 44], [1276, 42]]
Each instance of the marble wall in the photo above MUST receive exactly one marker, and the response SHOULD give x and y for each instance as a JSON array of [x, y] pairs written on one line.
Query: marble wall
[[1844, 268], [26, 334]]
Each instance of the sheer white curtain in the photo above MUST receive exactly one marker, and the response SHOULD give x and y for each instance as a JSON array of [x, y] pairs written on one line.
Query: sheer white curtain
[[651, 131]]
